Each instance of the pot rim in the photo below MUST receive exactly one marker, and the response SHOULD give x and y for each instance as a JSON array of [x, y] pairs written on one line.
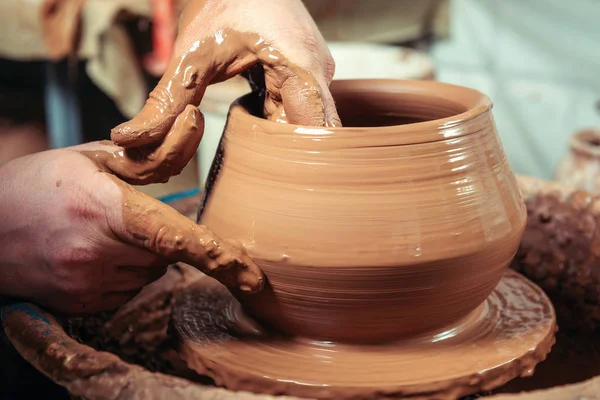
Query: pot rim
[[472, 120]]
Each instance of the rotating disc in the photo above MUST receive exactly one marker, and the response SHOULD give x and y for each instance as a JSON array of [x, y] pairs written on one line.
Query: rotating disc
[[502, 339]]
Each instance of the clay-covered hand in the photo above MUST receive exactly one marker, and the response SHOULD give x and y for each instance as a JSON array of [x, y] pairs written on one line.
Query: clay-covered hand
[[218, 39], [77, 239]]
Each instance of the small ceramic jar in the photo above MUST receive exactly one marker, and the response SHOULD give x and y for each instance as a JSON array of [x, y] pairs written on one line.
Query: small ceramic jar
[[580, 168], [401, 222]]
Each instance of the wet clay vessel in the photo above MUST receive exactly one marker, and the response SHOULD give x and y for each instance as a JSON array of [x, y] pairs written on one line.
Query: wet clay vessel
[[385, 246], [399, 223], [502, 339], [580, 168]]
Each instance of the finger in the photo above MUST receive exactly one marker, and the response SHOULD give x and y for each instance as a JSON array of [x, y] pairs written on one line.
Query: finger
[[181, 85], [294, 93], [332, 118], [178, 148], [195, 66], [145, 165], [158, 228]]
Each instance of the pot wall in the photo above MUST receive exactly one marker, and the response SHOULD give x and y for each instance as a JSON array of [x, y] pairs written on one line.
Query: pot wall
[[406, 229]]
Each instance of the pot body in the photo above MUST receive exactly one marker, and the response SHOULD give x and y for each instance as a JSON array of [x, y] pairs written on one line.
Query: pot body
[[580, 168], [369, 234]]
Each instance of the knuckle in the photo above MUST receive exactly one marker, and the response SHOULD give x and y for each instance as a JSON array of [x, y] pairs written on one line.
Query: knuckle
[[328, 67], [320, 58], [167, 242], [161, 98]]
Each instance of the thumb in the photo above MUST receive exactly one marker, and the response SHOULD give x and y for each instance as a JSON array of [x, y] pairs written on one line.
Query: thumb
[[158, 228]]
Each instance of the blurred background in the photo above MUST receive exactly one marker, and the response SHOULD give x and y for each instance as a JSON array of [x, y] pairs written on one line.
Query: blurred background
[[70, 70]]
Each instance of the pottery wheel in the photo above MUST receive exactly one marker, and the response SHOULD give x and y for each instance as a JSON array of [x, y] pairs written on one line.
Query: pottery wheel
[[504, 338]]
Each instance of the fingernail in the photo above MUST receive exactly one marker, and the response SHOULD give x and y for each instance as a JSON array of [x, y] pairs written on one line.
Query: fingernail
[[245, 288]]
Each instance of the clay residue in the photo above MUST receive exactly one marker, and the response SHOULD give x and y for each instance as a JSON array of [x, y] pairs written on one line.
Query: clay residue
[[369, 221], [504, 338], [574, 358], [92, 374], [293, 94], [150, 224], [560, 251], [138, 331], [155, 163]]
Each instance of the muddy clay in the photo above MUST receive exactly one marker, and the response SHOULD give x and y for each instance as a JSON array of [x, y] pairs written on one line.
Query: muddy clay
[[561, 250], [502, 339], [356, 220], [558, 251], [318, 272], [405, 219], [215, 59], [574, 358], [178, 238], [576, 355]]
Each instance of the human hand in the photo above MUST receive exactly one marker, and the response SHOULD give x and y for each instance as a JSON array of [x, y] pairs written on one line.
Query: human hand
[[219, 39], [77, 239]]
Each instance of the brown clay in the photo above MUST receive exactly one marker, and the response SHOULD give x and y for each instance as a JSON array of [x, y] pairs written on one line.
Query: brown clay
[[89, 373], [138, 331], [561, 250], [400, 223], [564, 365], [165, 231], [156, 164], [214, 59], [503, 338]]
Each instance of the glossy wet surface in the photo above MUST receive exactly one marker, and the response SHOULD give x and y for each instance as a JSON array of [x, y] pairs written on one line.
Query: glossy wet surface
[[504, 338]]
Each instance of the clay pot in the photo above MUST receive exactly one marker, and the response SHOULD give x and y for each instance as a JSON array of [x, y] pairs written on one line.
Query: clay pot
[[354, 60], [580, 168], [401, 222]]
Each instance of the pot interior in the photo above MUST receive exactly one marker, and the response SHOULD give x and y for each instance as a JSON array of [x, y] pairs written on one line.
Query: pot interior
[[380, 103], [359, 108]]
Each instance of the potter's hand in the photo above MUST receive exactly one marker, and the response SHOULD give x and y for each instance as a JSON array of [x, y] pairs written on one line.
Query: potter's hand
[[77, 239], [219, 39]]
